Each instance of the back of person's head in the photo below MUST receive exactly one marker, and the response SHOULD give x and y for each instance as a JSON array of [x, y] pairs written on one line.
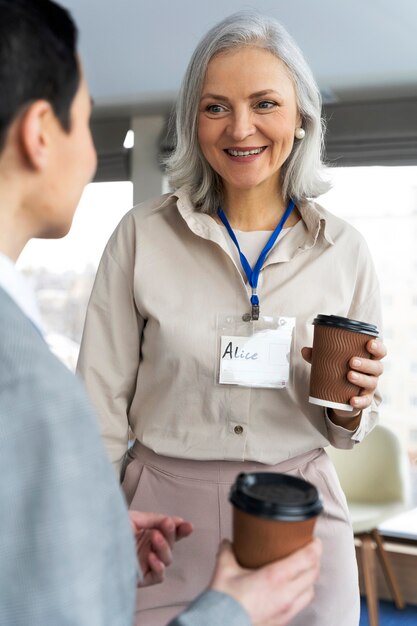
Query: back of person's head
[[301, 174], [38, 59]]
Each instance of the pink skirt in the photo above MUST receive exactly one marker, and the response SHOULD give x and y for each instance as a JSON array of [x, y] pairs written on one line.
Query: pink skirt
[[198, 492]]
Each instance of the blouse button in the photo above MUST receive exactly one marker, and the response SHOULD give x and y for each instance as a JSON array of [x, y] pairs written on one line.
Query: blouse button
[[238, 430]]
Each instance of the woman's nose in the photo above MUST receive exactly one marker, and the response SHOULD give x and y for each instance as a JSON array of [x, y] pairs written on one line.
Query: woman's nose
[[241, 125]]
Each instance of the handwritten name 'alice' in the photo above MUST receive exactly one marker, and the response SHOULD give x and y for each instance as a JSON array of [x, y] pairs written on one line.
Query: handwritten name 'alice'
[[238, 353]]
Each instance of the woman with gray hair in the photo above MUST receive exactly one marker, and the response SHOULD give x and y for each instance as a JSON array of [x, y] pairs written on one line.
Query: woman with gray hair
[[203, 304]]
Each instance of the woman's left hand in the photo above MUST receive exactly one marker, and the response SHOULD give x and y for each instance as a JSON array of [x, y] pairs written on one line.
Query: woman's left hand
[[364, 373]]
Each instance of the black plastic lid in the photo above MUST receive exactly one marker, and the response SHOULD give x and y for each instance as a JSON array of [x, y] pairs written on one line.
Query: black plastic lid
[[347, 324], [275, 496]]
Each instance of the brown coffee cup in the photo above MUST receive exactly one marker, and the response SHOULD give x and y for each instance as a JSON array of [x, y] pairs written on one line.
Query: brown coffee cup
[[273, 515], [336, 341]]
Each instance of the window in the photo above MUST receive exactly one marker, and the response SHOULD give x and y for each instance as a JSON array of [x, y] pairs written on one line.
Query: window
[[62, 271], [381, 202]]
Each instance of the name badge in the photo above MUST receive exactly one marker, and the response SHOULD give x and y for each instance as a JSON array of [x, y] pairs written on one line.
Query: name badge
[[257, 357]]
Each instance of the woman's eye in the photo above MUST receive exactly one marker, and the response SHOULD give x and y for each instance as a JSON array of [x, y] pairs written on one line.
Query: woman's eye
[[215, 108], [266, 105]]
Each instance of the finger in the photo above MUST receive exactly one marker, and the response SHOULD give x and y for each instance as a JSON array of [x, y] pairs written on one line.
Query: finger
[[307, 354], [367, 382], [299, 603], [225, 556], [361, 402], [376, 348], [307, 556], [290, 610], [303, 578], [225, 551], [366, 366], [184, 529], [168, 529], [302, 560], [175, 528], [155, 572], [161, 547], [140, 520], [295, 592]]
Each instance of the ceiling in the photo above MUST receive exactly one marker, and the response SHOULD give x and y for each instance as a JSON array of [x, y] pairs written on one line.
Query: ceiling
[[135, 52]]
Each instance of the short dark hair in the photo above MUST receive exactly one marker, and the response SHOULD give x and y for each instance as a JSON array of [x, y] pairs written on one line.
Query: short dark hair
[[38, 59]]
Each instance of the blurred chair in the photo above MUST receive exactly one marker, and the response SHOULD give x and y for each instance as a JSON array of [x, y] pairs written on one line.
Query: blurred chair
[[375, 477]]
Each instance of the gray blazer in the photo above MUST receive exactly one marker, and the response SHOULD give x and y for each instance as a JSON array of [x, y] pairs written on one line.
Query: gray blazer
[[213, 609], [66, 550]]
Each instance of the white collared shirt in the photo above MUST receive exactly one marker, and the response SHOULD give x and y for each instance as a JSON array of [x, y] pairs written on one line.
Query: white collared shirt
[[18, 288]]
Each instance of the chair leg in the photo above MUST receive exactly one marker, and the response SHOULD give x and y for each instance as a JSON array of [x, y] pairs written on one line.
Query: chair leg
[[367, 553], [387, 569]]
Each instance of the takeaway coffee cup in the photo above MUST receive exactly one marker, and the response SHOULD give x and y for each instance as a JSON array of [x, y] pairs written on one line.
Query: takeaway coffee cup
[[273, 515], [336, 341]]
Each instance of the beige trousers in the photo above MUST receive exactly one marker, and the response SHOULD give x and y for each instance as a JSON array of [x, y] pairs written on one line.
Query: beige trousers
[[198, 492]]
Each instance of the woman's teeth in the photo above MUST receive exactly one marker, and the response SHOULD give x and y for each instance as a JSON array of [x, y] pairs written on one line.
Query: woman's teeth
[[244, 153]]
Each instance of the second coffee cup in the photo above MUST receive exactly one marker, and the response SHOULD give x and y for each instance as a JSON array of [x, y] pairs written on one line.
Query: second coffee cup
[[273, 515], [336, 340]]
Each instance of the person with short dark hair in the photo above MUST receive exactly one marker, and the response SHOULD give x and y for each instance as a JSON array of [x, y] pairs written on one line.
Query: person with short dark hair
[[36, 63], [69, 554]]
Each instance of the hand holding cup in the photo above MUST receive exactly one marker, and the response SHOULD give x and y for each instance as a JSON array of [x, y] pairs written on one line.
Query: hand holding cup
[[357, 369]]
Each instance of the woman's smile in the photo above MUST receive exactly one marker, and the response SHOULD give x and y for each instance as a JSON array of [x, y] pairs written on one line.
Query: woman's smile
[[244, 154]]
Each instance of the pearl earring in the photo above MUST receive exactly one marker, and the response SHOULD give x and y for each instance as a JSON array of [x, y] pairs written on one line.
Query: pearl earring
[[300, 133]]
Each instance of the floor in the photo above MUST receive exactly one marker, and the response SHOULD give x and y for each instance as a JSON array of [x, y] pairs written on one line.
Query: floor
[[390, 616], [403, 526]]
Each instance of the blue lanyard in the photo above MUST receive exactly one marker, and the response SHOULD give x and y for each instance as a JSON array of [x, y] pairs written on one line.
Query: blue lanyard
[[253, 274]]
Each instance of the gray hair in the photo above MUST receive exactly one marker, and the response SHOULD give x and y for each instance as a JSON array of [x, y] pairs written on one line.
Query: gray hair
[[301, 174]]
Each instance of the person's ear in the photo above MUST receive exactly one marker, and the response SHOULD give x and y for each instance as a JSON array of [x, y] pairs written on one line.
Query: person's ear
[[35, 128]]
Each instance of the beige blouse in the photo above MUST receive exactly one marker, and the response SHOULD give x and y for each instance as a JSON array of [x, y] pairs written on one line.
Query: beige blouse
[[149, 348]]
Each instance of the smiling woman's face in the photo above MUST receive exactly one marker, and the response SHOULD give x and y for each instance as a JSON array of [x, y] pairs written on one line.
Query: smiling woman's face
[[247, 117]]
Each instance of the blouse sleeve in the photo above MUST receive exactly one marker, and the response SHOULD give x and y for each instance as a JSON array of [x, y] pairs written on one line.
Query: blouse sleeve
[[110, 348], [365, 306]]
